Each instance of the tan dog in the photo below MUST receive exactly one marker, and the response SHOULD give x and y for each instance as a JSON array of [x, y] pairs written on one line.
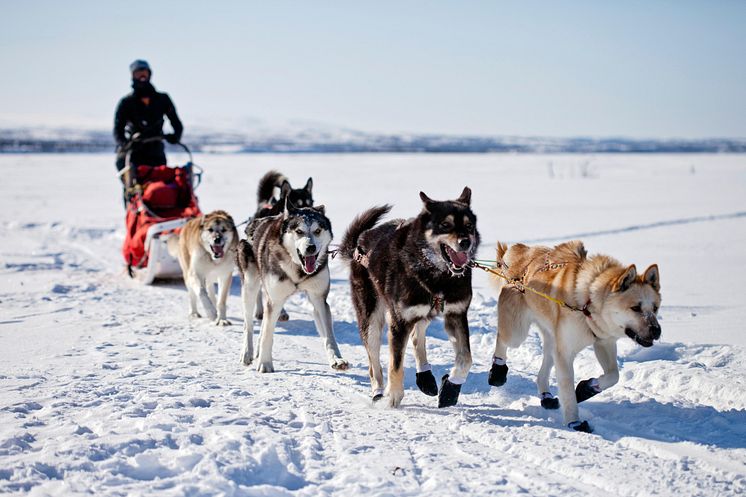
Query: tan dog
[[207, 254], [609, 301]]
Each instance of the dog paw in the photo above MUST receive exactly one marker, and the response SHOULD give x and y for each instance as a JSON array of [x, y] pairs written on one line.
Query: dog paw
[[194, 315], [426, 383], [395, 398], [265, 367], [449, 392], [222, 322], [548, 401], [581, 426], [498, 375], [247, 358], [259, 315], [587, 389], [340, 364], [283, 316], [377, 395]]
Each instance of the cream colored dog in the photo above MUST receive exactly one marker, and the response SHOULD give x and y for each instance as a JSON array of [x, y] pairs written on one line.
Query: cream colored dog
[[610, 301], [207, 254]]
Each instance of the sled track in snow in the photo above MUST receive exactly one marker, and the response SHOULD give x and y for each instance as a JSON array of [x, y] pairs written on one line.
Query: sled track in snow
[[639, 227]]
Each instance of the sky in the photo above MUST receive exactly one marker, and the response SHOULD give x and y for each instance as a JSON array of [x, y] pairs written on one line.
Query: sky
[[638, 69]]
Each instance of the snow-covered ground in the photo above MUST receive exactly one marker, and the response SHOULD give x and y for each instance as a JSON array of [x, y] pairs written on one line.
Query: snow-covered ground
[[107, 388]]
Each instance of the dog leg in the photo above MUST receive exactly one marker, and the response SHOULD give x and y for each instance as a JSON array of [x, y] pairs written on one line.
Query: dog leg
[[606, 354], [200, 287], [565, 378], [272, 306], [259, 307], [548, 401], [371, 336], [211, 293], [260, 311], [398, 334], [512, 329], [425, 379], [249, 290], [322, 316], [192, 292], [224, 286], [457, 327]]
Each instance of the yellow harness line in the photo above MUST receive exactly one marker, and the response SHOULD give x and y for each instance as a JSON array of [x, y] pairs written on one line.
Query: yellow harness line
[[522, 288]]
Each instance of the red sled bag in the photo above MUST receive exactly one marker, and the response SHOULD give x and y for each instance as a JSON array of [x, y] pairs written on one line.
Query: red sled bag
[[167, 194]]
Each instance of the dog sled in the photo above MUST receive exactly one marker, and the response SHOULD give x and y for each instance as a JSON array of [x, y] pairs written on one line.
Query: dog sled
[[159, 200]]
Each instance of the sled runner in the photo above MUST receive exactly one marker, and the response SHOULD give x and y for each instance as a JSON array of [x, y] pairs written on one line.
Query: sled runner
[[159, 201]]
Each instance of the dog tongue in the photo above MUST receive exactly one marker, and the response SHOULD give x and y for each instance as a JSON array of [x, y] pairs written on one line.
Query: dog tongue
[[310, 263], [217, 251], [458, 258]]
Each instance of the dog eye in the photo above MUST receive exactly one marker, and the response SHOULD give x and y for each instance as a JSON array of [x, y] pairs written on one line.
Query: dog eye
[[298, 232], [655, 309], [469, 227], [636, 308], [210, 230], [317, 232], [445, 226]]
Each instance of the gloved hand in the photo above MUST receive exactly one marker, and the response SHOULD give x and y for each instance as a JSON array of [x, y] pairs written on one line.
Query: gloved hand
[[171, 138]]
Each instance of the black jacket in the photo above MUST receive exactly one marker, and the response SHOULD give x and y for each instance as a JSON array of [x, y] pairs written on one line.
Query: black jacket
[[134, 116]]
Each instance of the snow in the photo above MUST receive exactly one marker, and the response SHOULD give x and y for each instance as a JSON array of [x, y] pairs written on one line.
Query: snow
[[107, 387]]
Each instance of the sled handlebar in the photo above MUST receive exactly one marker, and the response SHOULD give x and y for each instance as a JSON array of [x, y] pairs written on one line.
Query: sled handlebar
[[127, 175]]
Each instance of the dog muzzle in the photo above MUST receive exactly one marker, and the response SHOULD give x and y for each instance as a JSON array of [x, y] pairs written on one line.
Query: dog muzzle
[[457, 261], [308, 262], [218, 250]]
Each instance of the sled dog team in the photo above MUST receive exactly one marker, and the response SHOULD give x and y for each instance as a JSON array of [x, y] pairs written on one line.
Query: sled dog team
[[406, 272]]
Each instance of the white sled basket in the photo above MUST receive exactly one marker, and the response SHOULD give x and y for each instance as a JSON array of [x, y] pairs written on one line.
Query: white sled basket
[[161, 264]]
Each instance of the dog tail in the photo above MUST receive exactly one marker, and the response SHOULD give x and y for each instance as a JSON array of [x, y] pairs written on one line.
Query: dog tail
[[361, 223], [268, 183]]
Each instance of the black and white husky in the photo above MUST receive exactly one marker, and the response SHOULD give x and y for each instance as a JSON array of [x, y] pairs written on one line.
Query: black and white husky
[[283, 254], [273, 190], [405, 273]]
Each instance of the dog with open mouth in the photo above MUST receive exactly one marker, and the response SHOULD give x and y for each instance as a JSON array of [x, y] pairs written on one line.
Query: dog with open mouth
[[406, 273], [283, 254], [605, 301], [206, 249]]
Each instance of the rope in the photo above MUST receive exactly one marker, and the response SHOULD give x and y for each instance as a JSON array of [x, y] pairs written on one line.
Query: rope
[[522, 288]]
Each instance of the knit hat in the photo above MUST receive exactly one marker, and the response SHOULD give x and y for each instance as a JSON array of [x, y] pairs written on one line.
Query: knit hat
[[139, 65]]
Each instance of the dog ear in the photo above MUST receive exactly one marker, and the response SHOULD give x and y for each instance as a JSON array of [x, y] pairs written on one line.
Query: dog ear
[[285, 210], [652, 277], [320, 208], [285, 189], [626, 279], [465, 197], [202, 221], [426, 200], [309, 185]]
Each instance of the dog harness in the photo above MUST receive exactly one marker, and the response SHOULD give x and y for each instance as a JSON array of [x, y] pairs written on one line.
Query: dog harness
[[519, 284]]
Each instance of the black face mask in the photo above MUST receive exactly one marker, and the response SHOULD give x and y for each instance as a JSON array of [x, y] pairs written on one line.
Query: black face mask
[[142, 88]]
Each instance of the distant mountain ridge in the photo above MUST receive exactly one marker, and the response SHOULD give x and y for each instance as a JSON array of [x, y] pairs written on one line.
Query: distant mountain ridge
[[304, 137]]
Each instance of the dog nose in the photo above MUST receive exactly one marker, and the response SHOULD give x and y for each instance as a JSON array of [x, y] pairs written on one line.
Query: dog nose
[[310, 249], [655, 330], [464, 243], [218, 239]]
